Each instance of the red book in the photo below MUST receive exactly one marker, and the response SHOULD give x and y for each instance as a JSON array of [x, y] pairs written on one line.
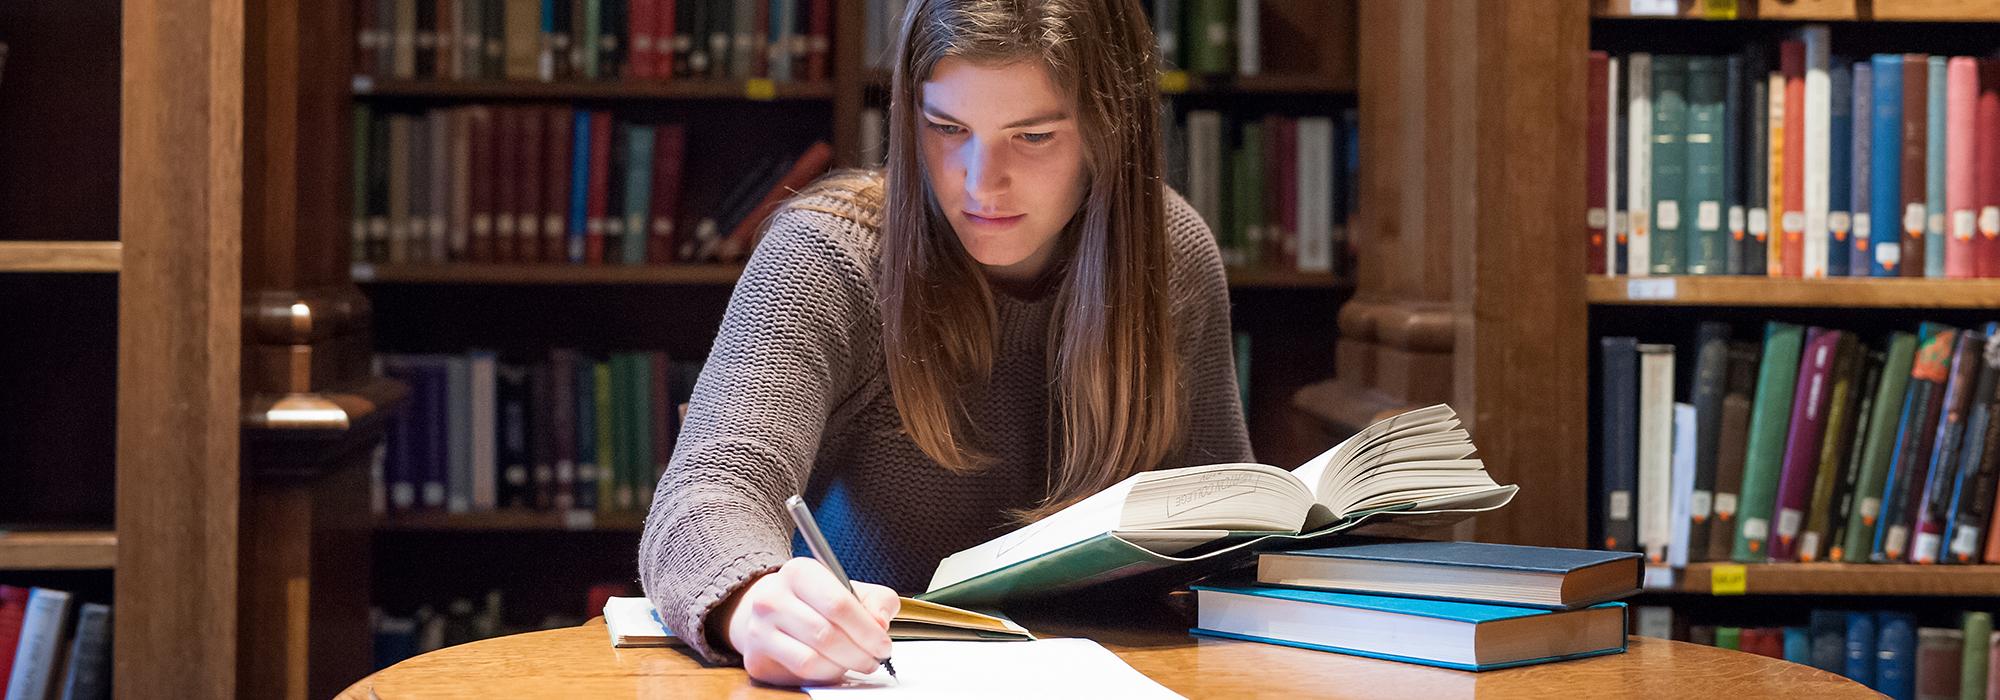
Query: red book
[[663, 39], [528, 172], [1986, 170], [1792, 63], [639, 22], [809, 166], [669, 148], [506, 144], [818, 29], [600, 174], [555, 202], [480, 142], [1802, 442], [1960, 195], [1916, 122], [13, 607], [1596, 208], [760, 41]]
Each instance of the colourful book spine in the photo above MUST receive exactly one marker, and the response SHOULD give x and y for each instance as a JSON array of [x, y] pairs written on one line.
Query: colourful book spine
[[1927, 540], [1731, 444], [1639, 165], [1792, 63], [1916, 105], [1596, 210], [1776, 125], [1860, 648], [1803, 440], [1961, 194], [1878, 449], [1845, 496], [1706, 191], [1733, 187], [1670, 161], [1861, 161], [1710, 387], [1885, 166], [1817, 142], [1839, 173], [638, 192], [1935, 134], [1972, 496], [1835, 445], [1908, 470], [1770, 422], [1986, 168], [579, 184], [599, 189]]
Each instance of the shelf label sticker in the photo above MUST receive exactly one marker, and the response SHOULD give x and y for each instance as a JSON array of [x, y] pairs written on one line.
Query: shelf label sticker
[[579, 519], [1174, 82], [1728, 579], [1655, 8], [1659, 577], [362, 272], [1649, 289], [760, 89]]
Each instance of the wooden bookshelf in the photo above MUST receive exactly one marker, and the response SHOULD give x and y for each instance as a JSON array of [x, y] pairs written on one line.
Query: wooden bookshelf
[[44, 550], [702, 274], [1841, 579], [511, 521], [1809, 10], [750, 90], [1253, 278], [60, 256], [1854, 293]]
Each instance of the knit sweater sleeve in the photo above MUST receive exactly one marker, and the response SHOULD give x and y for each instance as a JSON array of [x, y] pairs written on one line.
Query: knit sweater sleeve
[[1216, 432], [782, 360]]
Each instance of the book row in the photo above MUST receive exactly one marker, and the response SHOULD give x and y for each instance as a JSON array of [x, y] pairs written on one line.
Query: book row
[[1276, 190], [593, 40], [569, 432], [530, 184], [1788, 161], [1811, 445], [53, 645], [1888, 651]]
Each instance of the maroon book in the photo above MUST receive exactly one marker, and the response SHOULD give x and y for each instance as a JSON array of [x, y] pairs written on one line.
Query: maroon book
[[669, 149], [1916, 95], [1802, 443], [555, 203], [480, 128], [1986, 170], [527, 173]]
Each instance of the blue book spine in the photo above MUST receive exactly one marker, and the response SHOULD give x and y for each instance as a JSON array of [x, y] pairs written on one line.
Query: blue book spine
[[1893, 498], [1885, 170], [586, 434], [1859, 161], [1839, 169], [1934, 157], [1861, 641], [1896, 656], [1798, 646], [579, 184], [34, 670], [437, 458], [1959, 542]]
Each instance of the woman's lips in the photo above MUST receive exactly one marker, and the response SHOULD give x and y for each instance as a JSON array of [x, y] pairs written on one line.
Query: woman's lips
[[993, 220]]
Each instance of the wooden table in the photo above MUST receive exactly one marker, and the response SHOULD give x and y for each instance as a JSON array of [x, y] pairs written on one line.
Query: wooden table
[[580, 662]]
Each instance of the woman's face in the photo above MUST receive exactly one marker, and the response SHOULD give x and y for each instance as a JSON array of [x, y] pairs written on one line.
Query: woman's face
[[1006, 162]]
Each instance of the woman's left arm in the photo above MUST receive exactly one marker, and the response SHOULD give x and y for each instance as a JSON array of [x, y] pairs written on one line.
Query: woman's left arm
[[1216, 432]]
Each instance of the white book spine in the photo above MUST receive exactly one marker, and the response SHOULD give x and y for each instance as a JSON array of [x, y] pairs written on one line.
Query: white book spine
[[35, 654], [1249, 40], [1656, 434], [872, 130], [1639, 165], [1682, 507], [1315, 195], [1614, 219], [485, 452], [1204, 133], [1819, 130]]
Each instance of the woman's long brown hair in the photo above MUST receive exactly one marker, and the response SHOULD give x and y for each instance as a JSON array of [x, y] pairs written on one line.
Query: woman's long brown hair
[[1117, 406]]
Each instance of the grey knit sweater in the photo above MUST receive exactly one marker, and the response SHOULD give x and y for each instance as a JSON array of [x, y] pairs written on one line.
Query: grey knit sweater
[[795, 398]]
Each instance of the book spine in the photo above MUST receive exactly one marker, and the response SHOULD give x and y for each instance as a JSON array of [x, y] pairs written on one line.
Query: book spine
[[1769, 423], [1619, 461], [1681, 489], [1670, 164], [638, 192], [1803, 440], [1885, 192], [1840, 173], [1710, 370], [1639, 165], [1878, 450], [1831, 457], [1916, 92], [1845, 496], [1731, 443], [1775, 175], [1896, 650], [528, 170], [485, 437], [588, 472], [1936, 131], [1733, 186], [599, 192], [556, 184], [1656, 449], [34, 670], [1986, 169], [541, 437], [1792, 63], [1707, 191], [1596, 184], [1961, 94], [1816, 120], [1927, 541], [1972, 496], [89, 674], [562, 426], [1862, 176], [669, 147], [1757, 166], [1907, 472], [1859, 656]]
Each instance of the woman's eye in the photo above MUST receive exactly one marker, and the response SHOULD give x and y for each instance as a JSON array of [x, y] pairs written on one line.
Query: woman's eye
[[1039, 138], [946, 129]]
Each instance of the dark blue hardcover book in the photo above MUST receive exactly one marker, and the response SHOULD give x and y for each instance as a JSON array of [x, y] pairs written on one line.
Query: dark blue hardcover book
[[1896, 656], [1885, 166], [1839, 169], [1861, 643], [1829, 640], [1619, 461], [1474, 572]]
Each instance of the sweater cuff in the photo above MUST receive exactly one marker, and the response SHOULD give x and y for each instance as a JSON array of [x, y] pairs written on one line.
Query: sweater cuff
[[693, 625]]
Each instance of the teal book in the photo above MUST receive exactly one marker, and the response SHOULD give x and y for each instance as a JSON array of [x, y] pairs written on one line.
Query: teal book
[[1670, 165], [1404, 473], [1207, 41], [1462, 636], [1770, 421], [1934, 172], [638, 191], [1706, 197]]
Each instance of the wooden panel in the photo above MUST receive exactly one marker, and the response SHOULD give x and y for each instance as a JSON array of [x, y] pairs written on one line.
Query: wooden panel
[[59, 256], [1861, 293], [577, 661], [1851, 579], [59, 121], [58, 549], [179, 344], [614, 90], [1937, 10]]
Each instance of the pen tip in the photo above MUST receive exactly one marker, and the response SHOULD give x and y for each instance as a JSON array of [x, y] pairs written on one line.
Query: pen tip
[[891, 666]]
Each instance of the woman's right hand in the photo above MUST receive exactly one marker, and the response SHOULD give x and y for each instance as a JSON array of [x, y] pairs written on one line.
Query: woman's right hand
[[799, 626]]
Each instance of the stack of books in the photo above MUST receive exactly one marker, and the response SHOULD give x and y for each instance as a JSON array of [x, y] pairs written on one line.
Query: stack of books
[[1460, 605]]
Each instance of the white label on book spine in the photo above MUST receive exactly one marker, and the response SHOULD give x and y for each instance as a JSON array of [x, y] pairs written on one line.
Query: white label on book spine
[[1698, 504], [1760, 222], [1839, 222], [1892, 543], [1725, 505], [1788, 522], [1621, 505], [1888, 254], [1595, 218], [1913, 218], [1989, 221], [1659, 577], [1925, 549], [1736, 218], [1962, 224], [1936, 223], [1963, 541], [1809, 546], [1708, 216], [1668, 214], [1793, 221], [1861, 226], [1756, 528], [1870, 507], [1655, 8], [577, 519], [1649, 289]]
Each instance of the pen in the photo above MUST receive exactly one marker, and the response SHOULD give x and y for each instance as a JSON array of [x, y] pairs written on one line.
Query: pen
[[823, 551]]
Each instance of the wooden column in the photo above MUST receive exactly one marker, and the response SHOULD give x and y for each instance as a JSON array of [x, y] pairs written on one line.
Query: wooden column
[[179, 343], [1472, 182]]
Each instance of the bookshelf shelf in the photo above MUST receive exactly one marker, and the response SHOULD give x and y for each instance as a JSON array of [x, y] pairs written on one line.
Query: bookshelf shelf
[[60, 256], [512, 521], [702, 274], [1857, 293], [58, 549], [753, 91], [1252, 278], [1181, 84], [1825, 11], [1848, 579]]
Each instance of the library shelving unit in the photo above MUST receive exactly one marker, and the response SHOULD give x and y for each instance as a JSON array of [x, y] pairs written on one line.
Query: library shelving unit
[[525, 309]]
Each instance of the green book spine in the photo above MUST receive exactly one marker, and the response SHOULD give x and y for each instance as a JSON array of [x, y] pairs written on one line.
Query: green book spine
[[1770, 420], [1670, 161], [638, 393], [1972, 667], [1729, 637], [1249, 183], [1707, 238], [1847, 366], [1207, 40], [1879, 444], [593, 27], [607, 451], [638, 191]]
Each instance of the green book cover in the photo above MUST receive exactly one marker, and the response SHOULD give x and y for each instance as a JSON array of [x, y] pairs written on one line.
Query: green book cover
[[593, 25], [1243, 371], [638, 190], [607, 451], [1249, 181], [1973, 666], [1770, 420], [1729, 637], [1878, 445], [1707, 238], [1846, 375], [639, 391], [1209, 37], [1670, 161]]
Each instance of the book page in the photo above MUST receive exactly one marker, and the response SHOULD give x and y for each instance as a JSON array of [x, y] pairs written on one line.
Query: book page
[[1049, 668]]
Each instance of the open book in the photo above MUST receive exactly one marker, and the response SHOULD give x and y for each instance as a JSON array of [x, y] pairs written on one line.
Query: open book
[[1413, 464], [634, 623]]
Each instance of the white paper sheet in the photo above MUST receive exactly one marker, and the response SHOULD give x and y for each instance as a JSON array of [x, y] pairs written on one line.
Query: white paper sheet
[[1049, 668]]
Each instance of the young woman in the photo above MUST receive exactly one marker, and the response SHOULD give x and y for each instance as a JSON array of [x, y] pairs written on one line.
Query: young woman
[[1014, 314]]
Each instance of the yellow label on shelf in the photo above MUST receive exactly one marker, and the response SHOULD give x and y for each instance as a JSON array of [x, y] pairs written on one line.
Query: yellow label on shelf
[[1174, 82], [761, 89], [1728, 579]]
